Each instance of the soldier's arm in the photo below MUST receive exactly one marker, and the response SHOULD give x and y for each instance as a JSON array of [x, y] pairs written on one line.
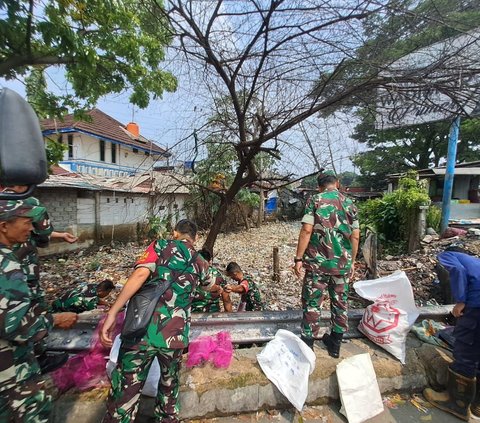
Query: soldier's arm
[[355, 240], [19, 320]]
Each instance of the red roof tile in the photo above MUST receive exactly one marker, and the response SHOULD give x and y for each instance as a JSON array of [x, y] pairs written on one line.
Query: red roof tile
[[104, 126]]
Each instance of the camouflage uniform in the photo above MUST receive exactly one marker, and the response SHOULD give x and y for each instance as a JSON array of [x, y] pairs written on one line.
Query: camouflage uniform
[[23, 321], [327, 259], [27, 254], [82, 298], [166, 336], [208, 302], [251, 297]]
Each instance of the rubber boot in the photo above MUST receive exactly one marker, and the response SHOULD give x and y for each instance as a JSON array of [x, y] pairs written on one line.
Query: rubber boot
[[457, 398], [50, 362], [308, 341], [475, 407], [333, 343]]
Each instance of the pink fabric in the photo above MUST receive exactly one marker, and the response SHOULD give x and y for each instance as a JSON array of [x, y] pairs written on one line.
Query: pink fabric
[[218, 350], [87, 369]]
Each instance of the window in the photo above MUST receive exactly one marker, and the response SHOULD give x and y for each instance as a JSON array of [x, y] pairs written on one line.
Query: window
[[108, 200], [147, 153], [125, 200], [102, 150], [116, 200], [114, 153], [70, 146], [135, 150]]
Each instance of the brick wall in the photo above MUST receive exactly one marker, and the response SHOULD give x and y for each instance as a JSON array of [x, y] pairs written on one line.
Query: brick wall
[[61, 205]]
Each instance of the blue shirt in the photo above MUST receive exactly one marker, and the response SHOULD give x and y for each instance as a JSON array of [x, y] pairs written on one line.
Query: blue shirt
[[464, 273]]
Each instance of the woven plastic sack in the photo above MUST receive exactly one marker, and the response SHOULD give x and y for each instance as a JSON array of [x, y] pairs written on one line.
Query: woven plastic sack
[[388, 320], [287, 362], [359, 393]]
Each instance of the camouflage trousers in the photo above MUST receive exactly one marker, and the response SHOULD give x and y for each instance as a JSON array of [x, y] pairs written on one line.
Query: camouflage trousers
[[314, 292], [129, 377], [27, 402]]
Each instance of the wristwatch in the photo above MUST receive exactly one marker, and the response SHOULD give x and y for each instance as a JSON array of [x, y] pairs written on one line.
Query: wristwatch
[[297, 259]]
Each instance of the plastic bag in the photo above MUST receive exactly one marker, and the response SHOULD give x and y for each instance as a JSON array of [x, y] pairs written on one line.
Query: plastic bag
[[150, 387], [218, 350], [359, 392], [287, 361], [388, 320]]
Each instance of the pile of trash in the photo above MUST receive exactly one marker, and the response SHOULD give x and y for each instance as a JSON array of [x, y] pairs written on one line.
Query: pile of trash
[[253, 250]]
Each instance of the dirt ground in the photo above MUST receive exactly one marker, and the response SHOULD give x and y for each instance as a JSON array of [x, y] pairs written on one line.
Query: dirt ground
[[252, 249]]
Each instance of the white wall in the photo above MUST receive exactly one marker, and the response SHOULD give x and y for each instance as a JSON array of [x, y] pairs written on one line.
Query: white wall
[[122, 208], [86, 147]]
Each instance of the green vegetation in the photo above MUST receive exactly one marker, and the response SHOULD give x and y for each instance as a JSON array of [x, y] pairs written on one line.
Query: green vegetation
[[391, 216], [102, 46]]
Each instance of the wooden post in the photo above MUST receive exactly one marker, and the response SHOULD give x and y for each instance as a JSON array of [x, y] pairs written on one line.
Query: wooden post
[[369, 251], [276, 265], [261, 208], [98, 227]]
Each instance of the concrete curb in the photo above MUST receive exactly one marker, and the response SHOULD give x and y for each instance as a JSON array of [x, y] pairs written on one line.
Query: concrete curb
[[207, 391]]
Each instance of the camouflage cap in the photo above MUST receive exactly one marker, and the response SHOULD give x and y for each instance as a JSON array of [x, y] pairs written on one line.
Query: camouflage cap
[[19, 208]]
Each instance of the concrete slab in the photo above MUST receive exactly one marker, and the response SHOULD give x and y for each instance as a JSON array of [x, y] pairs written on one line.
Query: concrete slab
[[242, 388]]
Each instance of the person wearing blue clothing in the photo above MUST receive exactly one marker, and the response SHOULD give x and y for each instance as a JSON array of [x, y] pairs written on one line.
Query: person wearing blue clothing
[[462, 397]]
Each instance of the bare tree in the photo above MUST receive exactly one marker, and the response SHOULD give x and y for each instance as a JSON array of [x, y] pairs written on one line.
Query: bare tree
[[276, 63]]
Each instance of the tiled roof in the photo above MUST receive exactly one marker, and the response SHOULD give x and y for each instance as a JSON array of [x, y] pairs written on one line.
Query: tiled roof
[[103, 126]]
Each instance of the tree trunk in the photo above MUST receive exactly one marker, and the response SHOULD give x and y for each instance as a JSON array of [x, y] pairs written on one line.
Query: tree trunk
[[261, 208]]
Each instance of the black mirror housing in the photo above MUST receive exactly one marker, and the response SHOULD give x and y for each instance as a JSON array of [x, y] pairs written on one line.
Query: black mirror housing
[[23, 159]]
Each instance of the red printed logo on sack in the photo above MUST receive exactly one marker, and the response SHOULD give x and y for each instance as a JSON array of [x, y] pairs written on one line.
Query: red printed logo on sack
[[381, 317]]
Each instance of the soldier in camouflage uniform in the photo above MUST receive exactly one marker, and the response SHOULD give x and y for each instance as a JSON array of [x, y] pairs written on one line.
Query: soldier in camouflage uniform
[[168, 330], [27, 253], [84, 297], [327, 248], [251, 300], [23, 321], [209, 301]]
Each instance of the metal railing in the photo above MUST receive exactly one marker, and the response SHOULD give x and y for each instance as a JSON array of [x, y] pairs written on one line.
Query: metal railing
[[244, 328]]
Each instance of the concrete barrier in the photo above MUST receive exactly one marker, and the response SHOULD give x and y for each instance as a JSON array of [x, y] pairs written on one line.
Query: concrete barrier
[[207, 391]]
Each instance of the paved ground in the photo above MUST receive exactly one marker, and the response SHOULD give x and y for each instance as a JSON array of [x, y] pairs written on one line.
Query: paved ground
[[406, 413]]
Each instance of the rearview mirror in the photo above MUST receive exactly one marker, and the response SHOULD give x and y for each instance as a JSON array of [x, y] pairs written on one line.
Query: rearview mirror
[[23, 159]]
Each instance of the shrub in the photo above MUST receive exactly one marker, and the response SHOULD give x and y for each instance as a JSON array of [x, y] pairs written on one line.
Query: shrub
[[434, 217]]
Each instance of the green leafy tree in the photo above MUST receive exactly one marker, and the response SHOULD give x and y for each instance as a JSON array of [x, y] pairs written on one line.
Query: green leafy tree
[[391, 36], [104, 46]]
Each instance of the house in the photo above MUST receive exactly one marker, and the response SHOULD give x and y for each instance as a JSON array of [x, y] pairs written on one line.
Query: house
[[101, 145], [465, 205], [107, 187], [102, 210]]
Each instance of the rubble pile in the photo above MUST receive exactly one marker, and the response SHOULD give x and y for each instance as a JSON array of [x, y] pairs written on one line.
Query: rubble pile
[[253, 250]]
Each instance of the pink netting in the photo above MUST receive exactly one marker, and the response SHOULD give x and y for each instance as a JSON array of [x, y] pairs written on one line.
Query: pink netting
[[218, 350], [87, 369]]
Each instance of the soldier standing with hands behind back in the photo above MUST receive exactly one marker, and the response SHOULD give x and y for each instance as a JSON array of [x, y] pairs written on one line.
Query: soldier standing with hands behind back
[[327, 248]]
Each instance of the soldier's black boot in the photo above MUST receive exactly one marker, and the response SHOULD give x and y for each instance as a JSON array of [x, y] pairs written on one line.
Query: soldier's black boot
[[308, 341], [457, 398], [475, 407], [50, 362], [333, 341]]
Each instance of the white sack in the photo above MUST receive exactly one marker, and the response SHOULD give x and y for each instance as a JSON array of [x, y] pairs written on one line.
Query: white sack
[[287, 362], [151, 384], [359, 392], [388, 320]]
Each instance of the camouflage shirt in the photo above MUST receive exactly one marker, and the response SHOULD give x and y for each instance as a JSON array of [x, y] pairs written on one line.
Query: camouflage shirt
[[27, 252], [333, 217], [207, 302], [22, 322], [251, 297], [82, 298], [172, 260]]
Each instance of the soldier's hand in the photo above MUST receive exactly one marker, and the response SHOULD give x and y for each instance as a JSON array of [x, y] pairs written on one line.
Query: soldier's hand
[[65, 320], [70, 238], [297, 268], [458, 310], [107, 329]]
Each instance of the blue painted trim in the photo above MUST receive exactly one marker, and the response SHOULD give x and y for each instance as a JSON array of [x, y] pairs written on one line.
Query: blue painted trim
[[449, 173], [99, 165], [92, 134]]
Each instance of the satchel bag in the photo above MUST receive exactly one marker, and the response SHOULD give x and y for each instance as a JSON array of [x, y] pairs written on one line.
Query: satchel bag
[[142, 306]]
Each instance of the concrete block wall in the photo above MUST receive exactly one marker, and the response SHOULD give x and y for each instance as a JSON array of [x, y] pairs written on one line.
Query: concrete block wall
[[61, 206]]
